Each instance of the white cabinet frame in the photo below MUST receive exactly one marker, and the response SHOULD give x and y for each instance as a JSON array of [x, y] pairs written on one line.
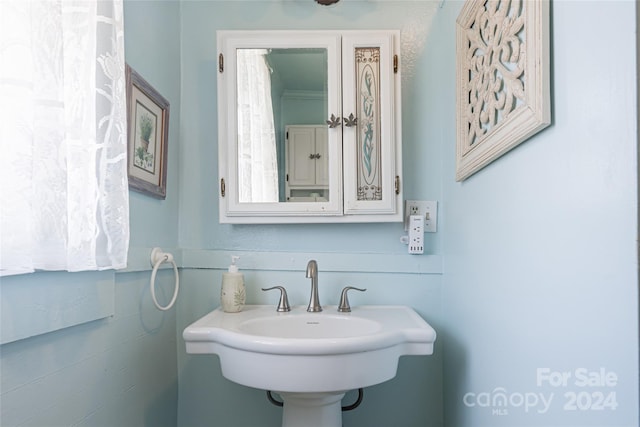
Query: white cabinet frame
[[343, 204]]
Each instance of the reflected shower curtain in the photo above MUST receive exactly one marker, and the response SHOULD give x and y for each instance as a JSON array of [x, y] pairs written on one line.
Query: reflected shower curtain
[[257, 156]]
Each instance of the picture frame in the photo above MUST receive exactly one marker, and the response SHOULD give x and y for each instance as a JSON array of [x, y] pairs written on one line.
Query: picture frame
[[147, 136], [502, 98]]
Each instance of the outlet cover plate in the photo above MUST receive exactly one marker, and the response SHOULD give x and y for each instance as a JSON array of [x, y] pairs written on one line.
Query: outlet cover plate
[[428, 209]]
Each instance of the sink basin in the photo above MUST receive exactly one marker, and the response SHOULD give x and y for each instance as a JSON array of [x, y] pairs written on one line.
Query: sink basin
[[299, 351], [310, 359], [310, 325]]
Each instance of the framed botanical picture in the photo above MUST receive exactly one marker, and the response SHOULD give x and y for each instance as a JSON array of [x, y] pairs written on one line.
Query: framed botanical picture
[[503, 94], [148, 122]]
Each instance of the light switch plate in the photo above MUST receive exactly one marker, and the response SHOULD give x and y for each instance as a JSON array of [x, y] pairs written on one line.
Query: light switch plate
[[427, 209]]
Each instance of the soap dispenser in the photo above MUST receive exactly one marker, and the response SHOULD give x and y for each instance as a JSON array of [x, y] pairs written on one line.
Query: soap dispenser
[[232, 292]]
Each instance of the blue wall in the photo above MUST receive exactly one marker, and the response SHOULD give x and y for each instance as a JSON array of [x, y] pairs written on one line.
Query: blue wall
[[199, 227], [540, 258], [536, 264], [369, 255], [533, 269], [90, 349]]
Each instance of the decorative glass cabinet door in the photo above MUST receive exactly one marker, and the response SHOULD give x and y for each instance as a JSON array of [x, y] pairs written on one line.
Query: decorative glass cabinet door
[[370, 135]]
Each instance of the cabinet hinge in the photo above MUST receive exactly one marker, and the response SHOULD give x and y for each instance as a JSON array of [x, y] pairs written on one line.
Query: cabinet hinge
[[287, 137], [397, 184], [221, 63], [395, 64], [287, 177], [223, 187]]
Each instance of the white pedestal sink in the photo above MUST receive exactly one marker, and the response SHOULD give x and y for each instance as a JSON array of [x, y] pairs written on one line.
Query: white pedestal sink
[[310, 359]]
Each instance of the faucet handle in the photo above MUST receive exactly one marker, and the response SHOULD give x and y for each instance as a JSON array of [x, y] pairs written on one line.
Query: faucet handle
[[344, 306], [283, 304]]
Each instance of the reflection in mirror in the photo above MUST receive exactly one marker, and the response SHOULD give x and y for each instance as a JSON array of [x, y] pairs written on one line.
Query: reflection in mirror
[[307, 163], [277, 88]]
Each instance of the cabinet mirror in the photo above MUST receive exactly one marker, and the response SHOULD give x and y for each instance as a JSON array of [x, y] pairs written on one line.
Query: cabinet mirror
[[308, 133], [282, 138]]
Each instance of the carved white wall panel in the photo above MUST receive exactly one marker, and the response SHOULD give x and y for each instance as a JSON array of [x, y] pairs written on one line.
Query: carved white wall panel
[[502, 78]]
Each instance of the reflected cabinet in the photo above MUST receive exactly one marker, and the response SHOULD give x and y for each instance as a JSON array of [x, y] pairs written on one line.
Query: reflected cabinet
[[309, 126], [306, 166]]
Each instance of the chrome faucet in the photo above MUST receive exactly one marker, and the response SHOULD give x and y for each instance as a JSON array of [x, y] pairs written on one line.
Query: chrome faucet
[[312, 273]]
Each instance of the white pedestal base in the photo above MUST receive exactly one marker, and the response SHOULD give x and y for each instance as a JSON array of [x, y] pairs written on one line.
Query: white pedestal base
[[312, 409]]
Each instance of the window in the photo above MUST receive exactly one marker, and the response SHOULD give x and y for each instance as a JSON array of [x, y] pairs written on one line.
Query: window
[[63, 180]]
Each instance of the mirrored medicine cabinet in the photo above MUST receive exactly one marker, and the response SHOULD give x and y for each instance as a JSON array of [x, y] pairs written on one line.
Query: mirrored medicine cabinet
[[309, 126]]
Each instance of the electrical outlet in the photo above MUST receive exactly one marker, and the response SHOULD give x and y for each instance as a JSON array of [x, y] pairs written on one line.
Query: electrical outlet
[[416, 235], [428, 210]]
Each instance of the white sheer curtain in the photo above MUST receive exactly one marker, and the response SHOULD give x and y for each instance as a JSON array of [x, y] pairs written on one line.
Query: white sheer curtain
[[64, 201], [257, 156]]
